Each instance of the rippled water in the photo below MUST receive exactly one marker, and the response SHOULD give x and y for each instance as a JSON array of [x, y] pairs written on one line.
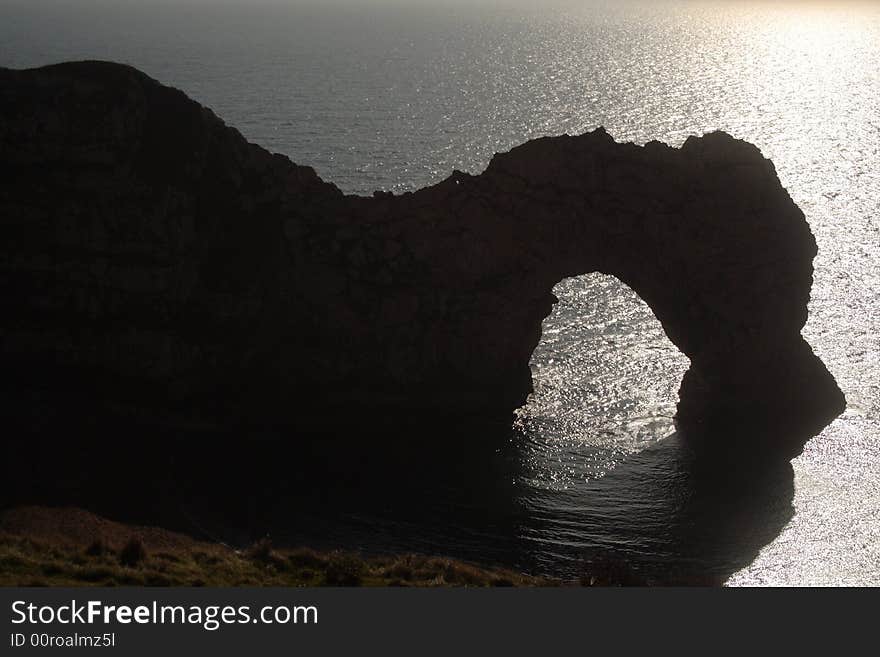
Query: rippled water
[[395, 98]]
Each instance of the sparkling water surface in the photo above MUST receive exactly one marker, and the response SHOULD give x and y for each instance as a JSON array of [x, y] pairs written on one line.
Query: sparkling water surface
[[391, 96]]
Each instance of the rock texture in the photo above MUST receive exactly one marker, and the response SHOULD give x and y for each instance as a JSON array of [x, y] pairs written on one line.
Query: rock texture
[[154, 262]]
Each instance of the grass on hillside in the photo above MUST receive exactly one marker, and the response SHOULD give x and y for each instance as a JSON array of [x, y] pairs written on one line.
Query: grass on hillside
[[28, 561]]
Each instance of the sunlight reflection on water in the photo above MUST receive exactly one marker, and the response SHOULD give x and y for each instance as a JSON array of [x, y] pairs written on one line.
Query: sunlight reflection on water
[[606, 380], [396, 101]]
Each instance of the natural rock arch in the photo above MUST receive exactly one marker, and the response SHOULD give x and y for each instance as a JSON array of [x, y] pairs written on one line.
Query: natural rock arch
[[155, 258]]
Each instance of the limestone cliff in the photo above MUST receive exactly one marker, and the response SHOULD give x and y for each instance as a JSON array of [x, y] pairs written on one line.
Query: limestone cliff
[[152, 261]]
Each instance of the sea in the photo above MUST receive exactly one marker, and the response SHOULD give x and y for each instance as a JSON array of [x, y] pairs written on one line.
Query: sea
[[394, 95]]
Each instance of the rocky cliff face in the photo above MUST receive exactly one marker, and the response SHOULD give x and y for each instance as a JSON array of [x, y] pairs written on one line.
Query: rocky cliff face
[[154, 262]]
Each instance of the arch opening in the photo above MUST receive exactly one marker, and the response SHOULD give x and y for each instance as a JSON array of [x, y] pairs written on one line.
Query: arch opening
[[605, 377]]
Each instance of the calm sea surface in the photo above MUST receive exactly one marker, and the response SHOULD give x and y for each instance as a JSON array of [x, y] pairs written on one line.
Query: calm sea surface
[[390, 96]]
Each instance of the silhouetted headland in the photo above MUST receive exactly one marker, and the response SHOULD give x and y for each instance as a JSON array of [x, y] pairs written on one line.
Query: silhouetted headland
[[158, 268]]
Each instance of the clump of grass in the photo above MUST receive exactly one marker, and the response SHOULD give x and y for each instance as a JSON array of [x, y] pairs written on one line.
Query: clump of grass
[[132, 553], [344, 570], [204, 558], [52, 568], [96, 574], [263, 552], [306, 558], [399, 571], [11, 562], [438, 571], [502, 581], [157, 579], [97, 548]]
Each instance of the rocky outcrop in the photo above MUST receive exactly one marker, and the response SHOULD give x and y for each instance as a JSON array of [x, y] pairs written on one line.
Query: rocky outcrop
[[152, 261]]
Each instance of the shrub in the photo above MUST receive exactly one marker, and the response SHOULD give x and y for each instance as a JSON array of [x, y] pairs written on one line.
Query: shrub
[[132, 553]]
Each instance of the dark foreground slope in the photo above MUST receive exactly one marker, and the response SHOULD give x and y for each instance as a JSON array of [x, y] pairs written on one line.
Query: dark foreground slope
[[41, 546], [155, 266]]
